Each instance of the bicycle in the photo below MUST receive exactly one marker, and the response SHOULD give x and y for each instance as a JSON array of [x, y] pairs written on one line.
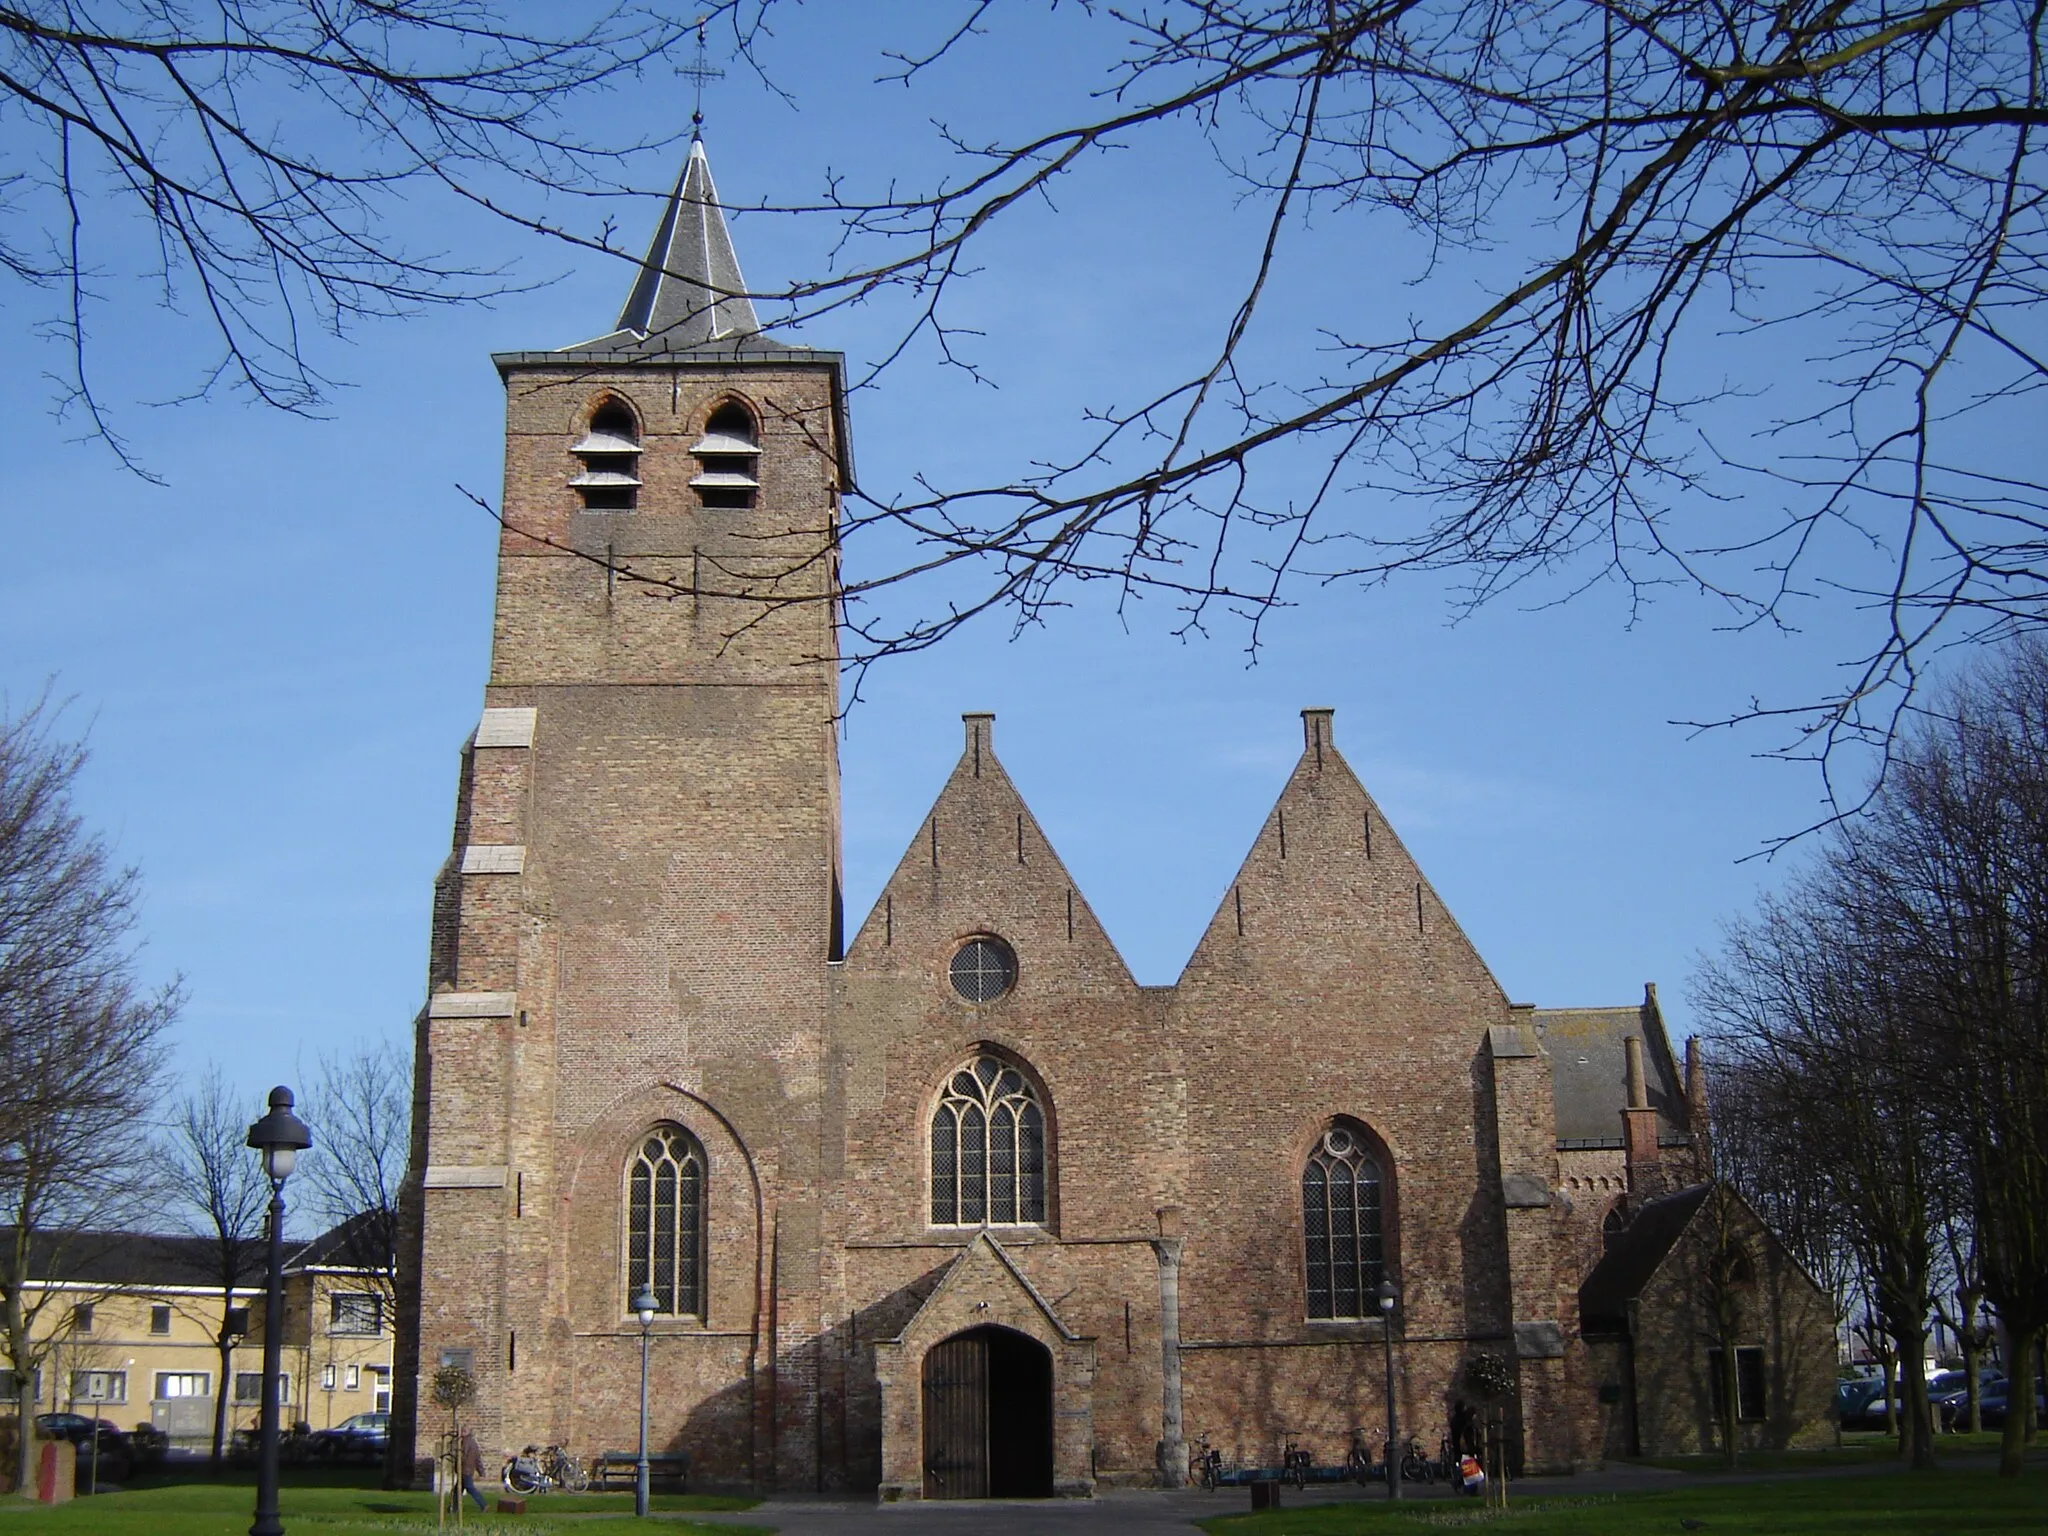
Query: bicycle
[[1358, 1463], [538, 1469], [1416, 1467], [1295, 1464], [1205, 1466]]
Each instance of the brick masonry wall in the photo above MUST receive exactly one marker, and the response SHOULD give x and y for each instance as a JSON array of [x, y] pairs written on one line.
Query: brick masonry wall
[[662, 952]]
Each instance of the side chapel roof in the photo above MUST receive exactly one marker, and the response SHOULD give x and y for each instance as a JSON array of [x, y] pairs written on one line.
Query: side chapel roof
[[1634, 1254], [1589, 1071]]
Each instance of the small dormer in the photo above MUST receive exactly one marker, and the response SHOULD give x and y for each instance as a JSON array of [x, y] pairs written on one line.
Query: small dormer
[[610, 450], [728, 458]]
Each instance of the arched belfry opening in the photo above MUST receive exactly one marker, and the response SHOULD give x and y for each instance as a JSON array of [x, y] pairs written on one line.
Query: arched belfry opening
[[988, 1416]]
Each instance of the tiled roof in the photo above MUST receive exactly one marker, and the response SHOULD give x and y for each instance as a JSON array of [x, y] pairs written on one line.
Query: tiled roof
[[1632, 1257], [1589, 1071]]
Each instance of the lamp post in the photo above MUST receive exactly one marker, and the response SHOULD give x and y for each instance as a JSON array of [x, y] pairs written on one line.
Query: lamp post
[[280, 1136], [644, 1307], [1387, 1299]]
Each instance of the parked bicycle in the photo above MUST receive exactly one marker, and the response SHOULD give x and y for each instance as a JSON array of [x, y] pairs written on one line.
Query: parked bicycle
[[1415, 1466], [1358, 1463], [1205, 1465], [540, 1468], [1295, 1463]]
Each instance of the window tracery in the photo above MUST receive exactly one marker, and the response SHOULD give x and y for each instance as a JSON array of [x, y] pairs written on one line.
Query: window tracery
[[1341, 1223], [988, 1148], [665, 1222]]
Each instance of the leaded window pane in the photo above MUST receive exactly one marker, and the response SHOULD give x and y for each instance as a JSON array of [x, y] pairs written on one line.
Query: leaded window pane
[[1340, 1219], [665, 1223], [988, 1148], [1002, 1165], [945, 1166], [973, 1166]]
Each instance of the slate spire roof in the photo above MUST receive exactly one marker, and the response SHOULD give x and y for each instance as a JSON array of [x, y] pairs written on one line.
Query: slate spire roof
[[689, 293]]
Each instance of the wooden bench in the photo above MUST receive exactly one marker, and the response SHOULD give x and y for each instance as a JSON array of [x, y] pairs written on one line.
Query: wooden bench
[[621, 1469]]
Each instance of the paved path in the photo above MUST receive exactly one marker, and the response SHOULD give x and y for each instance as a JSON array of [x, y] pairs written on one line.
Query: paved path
[[1112, 1512]]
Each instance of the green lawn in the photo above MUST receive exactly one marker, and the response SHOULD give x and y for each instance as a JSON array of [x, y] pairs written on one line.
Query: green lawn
[[225, 1509], [1946, 1503]]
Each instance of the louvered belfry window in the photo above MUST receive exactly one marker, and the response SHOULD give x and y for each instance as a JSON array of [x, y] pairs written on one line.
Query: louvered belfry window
[[988, 1148], [665, 1222], [1340, 1211]]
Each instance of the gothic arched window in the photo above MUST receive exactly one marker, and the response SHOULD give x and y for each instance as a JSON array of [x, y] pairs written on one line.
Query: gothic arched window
[[1340, 1218], [665, 1222], [988, 1148]]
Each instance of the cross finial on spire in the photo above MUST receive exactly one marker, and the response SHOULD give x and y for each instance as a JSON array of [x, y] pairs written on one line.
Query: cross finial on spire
[[698, 71]]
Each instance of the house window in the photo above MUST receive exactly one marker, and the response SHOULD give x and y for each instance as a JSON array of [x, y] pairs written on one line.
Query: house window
[[665, 1222], [81, 1318], [160, 1319], [355, 1312], [380, 1388], [99, 1386], [610, 451], [1612, 1226], [988, 1148], [728, 458], [249, 1386], [1340, 1218], [326, 1378], [1749, 1381], [174, 1384], [355, 1379], [238, 1321]]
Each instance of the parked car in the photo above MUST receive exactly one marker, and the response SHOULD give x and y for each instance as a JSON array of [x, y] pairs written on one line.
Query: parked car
[[98, 1440], [1952, 1398], [1859, 1404], [361, 1437], [1994, 1407]]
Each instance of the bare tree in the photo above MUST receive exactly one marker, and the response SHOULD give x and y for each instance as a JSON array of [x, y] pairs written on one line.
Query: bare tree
[[1908, 973], [266, 146], [1958, 851], [1802, 997], [1628, 217], [79, 1034], [219, 1182], [352, 1176]]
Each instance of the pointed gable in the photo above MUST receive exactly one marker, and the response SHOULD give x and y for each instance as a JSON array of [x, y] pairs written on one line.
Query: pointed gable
[[1328, 886], [980, 863]]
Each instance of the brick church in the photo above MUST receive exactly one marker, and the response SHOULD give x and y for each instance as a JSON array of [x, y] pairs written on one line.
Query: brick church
[[951, 1206]]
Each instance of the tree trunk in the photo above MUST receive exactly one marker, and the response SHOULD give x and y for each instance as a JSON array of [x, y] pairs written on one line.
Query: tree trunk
[[225, 1344], [2019, 1391], [25, 1432], [1973, 1361]]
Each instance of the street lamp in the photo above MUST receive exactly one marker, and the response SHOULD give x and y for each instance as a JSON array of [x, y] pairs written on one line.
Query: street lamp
[[644, 1307], [280, 1136], [1387, 1298]]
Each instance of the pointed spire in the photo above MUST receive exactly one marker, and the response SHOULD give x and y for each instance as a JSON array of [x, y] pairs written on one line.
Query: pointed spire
[[690, 291]]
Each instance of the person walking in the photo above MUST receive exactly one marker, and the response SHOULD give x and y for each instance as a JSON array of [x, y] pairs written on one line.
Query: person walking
[[472, 1467]]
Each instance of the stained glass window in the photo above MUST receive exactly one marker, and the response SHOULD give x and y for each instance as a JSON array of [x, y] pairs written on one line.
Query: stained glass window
[[665, 1222], [1340, 1214], [988, 1148]]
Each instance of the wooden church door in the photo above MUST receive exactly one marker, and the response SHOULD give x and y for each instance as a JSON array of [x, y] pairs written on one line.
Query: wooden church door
[[956, 1418]]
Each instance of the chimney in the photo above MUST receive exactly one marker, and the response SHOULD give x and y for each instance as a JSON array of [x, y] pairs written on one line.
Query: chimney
[[1316, 732], [1639, 1129], [981, 729]]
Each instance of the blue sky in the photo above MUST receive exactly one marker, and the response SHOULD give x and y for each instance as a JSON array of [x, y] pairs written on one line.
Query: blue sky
[[279, 654]]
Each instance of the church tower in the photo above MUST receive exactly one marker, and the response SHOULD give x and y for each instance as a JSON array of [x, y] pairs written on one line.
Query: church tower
[[623, 1041]]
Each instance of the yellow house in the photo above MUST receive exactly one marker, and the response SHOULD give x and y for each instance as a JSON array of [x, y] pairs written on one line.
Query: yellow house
[[134, 1328]]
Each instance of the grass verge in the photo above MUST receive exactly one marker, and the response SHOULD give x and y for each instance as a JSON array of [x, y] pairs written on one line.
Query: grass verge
[[225, 1509]]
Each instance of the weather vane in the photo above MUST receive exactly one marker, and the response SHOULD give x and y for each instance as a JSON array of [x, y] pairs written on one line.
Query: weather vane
[[699, 71]]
